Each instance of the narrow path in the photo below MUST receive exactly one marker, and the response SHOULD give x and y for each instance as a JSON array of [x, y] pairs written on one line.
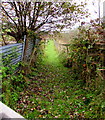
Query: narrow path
[[51, 91], [51, 55]]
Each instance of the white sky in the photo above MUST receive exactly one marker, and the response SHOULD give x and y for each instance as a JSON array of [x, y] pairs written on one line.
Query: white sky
[[93, 8]]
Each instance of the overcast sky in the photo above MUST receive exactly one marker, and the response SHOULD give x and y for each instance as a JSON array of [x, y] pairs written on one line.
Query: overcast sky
[[93, 9]]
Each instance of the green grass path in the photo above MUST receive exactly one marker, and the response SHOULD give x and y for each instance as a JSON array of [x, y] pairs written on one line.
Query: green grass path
[[51, 54], [51, 92]]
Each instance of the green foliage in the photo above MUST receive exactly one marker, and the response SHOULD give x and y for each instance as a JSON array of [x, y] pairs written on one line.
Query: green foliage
[[83, 57], [12, 84], [14, 80]]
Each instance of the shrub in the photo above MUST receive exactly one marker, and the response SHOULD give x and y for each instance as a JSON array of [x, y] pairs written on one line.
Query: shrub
[[83, 56]]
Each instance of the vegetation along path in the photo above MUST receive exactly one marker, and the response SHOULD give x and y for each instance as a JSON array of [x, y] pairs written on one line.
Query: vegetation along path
[[52, 93]]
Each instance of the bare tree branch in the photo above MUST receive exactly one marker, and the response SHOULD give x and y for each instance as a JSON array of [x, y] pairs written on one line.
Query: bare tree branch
[[9, 16], [36, 15]]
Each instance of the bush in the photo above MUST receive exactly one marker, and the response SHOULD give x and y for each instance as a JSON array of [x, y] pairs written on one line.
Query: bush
[[83, 56]]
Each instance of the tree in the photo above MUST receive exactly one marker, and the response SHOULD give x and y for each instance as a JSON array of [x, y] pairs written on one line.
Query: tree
[[40, 16]]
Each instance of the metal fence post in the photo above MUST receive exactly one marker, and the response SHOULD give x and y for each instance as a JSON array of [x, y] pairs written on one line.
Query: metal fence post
[[24, 46]]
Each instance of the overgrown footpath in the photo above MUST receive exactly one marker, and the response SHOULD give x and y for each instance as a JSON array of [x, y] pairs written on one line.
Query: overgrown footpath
[[52, 92]]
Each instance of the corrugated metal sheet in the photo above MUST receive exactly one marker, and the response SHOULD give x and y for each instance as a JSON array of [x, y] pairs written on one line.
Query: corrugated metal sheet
[[29, 49]]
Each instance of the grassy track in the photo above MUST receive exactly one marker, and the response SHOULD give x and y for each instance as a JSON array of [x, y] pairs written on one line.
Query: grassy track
[[51, 55], [52, 93]]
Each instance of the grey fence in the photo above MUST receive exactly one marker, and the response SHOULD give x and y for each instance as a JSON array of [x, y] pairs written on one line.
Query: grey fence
[[13, 53]]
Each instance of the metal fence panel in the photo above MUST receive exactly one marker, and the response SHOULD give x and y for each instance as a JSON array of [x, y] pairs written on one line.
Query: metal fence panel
[[11, 54]]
